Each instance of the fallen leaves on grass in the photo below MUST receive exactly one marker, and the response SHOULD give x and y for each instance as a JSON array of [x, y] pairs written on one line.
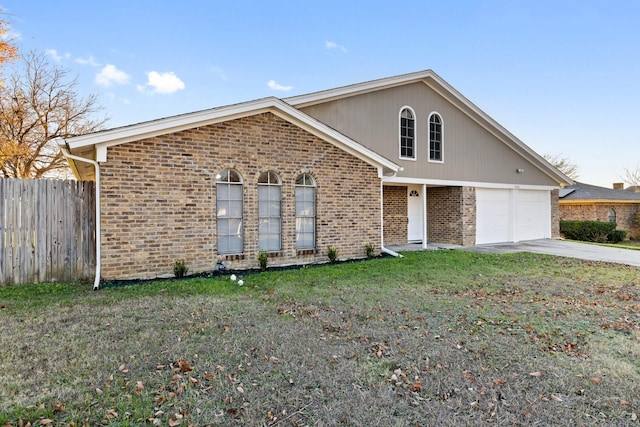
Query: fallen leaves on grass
[[182, 365]]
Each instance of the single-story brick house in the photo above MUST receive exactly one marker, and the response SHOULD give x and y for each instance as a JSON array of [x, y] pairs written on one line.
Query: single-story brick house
[[584, 202], [385, 162]]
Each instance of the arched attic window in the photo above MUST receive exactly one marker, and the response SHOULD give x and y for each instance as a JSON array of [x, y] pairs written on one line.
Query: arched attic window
[[435, 138], [407, 134]]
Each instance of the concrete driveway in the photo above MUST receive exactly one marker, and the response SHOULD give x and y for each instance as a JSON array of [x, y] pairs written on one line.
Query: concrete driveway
[[566, 249]]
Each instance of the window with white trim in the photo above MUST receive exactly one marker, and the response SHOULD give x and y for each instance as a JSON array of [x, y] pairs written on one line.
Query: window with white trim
[[435, 138], [407, 134], [269, 212], [229, 221], [305, 212], [612, 215]]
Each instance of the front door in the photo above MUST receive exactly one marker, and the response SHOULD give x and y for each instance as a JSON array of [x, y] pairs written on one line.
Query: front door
[[414, 213]]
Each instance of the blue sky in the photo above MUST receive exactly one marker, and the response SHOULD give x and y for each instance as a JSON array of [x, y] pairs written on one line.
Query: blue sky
[[563, 76]]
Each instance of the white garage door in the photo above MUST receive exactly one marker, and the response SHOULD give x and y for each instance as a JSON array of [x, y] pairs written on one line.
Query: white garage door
[[493, 215], [533, 215], [512, 215]]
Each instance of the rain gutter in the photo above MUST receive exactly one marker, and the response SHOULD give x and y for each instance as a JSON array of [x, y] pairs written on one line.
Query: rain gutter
[[64, 147]]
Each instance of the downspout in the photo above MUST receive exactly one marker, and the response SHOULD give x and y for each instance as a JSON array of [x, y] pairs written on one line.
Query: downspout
[[383, 249], [64, 147]]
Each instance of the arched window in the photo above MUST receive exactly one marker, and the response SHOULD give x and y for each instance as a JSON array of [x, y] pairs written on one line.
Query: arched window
[[305, 212], [435, 138], [229, 212], [407, 134], [612, 215], [269, 208]]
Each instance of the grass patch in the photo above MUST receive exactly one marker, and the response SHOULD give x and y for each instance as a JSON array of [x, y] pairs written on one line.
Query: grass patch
[[435, 338]]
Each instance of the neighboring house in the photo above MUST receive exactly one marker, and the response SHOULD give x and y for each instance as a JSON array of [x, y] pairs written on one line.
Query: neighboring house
[[585, 202], [386, 162]]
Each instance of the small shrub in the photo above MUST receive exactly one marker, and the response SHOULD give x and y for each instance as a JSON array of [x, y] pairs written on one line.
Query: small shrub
[[368, 250], [263, 259], [180, 268], [332, 253]]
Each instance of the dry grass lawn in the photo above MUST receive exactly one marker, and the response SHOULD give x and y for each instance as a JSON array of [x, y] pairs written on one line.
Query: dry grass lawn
[[436, 338]]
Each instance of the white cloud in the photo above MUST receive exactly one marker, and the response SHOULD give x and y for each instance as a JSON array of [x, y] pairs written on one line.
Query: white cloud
[[333, 45], [111, 75], [88, 61], [164, 82], [275, 86], [56, 56]]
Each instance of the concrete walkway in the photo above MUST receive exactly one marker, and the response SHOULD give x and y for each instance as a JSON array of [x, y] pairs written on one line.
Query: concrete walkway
[[546, 246]]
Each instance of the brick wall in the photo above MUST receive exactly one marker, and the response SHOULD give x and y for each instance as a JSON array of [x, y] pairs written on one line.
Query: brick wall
[[555, 214], [468, 203], [395, 215], [451, 215], [158, 197], [626, 215]]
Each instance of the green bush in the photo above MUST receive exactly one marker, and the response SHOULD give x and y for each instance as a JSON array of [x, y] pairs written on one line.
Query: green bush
[[180, 268], [263, 259], [368, 250], [592, 231], [332, 253]]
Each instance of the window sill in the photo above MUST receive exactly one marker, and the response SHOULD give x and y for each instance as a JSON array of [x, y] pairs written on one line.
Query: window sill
[[231, 257], [306, 252]]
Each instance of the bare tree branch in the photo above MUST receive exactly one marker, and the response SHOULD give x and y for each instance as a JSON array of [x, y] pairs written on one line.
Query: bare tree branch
[[38, 104], [563, 164], [632, 177]]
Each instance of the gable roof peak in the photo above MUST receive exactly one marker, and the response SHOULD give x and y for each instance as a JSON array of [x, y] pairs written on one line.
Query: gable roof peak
[[370, 85]]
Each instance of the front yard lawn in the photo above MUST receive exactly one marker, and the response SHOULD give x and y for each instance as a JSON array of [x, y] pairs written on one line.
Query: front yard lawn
[[435, 338]]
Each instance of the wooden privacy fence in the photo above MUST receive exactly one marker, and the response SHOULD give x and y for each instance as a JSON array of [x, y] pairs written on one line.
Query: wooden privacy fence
[[47, 230]]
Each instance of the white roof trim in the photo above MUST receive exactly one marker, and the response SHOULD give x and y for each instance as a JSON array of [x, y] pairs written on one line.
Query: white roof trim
[[398, 180], [447, 91], [274, 105]]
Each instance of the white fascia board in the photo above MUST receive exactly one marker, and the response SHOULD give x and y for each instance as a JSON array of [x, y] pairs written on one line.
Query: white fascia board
[[172, 124], [326, 95], [453, 183], [104, 139]]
